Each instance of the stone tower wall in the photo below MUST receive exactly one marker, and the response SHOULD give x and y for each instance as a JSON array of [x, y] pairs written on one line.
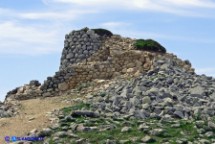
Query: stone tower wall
[[87, 56]]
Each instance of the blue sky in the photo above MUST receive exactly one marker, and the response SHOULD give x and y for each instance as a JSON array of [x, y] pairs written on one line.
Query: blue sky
[[32, 31]]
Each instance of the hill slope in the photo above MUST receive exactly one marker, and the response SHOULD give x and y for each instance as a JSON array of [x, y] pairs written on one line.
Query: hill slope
[[119, 90]]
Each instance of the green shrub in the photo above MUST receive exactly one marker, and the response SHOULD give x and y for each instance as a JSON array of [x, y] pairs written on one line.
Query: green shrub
[[103, 32], [79, 106], [149, 45]]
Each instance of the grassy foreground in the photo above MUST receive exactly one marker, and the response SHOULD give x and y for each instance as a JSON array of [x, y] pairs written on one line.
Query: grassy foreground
[[122, 131]]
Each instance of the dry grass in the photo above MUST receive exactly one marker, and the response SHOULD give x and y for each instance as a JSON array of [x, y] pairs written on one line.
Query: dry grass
[[35, 108]]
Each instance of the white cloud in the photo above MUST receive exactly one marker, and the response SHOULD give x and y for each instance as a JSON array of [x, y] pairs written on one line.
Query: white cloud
[[178, 7], [22, 39], [192, 3], [88, 2], [43, 34], [17, 36], [53, 15], [112, 24], [127, 31], [140, 3], [206, 71]]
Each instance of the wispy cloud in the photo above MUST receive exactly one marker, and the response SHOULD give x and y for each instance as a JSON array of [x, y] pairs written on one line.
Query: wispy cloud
[[129, 32], [192, 3], [179, 7], [62, 15], [43, 36], [113, 25], [141, 3], [22, 39]]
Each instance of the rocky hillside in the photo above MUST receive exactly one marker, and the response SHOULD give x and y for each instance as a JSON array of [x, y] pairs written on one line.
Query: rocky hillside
[[88, 55], [129, 91]]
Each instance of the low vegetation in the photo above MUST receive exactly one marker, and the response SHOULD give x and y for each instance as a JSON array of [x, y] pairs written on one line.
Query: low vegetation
[[172, 131], [103, 32], [149, 45]]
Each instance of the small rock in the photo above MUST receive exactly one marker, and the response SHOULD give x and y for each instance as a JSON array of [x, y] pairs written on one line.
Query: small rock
[[204, 141], [211, 125], [209, 134], [108, 141], [123, 141], [146, 100], [126, 129], [82, 128], [147, 139], [156, 132], [33, 132], [179, 114], [45, 132], [176, 125], [61, 134], [85, 113], [32, 118], [63, 86], [143, 127], [80, 141]]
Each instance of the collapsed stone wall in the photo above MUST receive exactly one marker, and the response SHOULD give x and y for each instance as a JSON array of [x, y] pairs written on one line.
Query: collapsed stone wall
[[28, 91], [87, 56]]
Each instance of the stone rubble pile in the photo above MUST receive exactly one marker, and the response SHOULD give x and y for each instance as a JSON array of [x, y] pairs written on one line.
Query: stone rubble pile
[[166, 91], [8, 109], [28, 91], [88, 56]]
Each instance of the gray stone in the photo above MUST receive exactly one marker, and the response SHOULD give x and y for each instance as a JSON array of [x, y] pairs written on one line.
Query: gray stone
[[146, 100], [209, 134], [135, 101], [156, 132], [108, 141], [211, 125], [123, 141], [85, 114], [197, 90], [147, 139], [204, 141], [143, 127], [80, 141], [179, 114], [61, 134], [63, 86], [82, 128], [45, 132], [125, 129], [69, 56]]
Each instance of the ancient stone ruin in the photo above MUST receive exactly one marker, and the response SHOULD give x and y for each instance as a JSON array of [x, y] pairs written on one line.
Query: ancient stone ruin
[[89, 54]]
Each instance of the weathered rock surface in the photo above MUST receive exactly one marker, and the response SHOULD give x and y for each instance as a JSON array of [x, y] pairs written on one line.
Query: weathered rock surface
[[170, 91], [28, 91], [145, 86]]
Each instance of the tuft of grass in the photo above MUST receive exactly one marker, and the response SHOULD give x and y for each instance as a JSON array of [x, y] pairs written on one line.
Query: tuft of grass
[[67, 110], [149, 45], [103, 32]]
